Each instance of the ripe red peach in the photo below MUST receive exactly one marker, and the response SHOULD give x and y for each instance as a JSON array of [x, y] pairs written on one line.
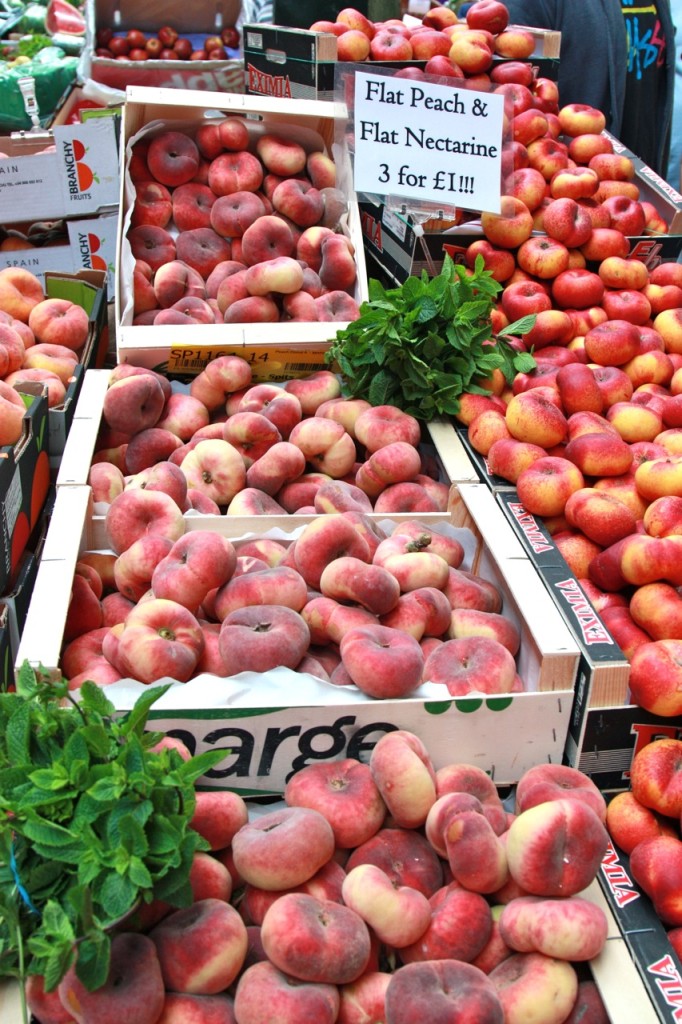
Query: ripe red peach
[[405, 776], [283, 848], [201, 948], [441, 990], [315, 940], [345, 793], [567, 866], [263, 990], [134, 986]]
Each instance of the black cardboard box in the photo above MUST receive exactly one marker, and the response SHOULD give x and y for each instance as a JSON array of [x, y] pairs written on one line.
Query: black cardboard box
[[644, 934], [87, 288], [289, 62], [24, 480], [605, 730], [286, 59], [602, 742], [603, 669]]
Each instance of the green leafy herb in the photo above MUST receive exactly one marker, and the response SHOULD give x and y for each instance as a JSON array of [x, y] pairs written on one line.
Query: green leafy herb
[[93, 823], [421, 345], [29, 46]]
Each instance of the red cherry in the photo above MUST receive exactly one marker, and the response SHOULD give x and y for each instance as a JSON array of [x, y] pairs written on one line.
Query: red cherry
[[153, 46], [136, 38], [183, 47], [120, 46], [230, 37], [167, 34]]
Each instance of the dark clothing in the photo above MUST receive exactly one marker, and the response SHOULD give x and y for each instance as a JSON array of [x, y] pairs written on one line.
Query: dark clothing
[[600, 41]]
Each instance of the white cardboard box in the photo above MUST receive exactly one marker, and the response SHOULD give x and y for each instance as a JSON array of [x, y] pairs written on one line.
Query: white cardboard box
[[81, 176], [89, 244], [274, 723], [268, 347]]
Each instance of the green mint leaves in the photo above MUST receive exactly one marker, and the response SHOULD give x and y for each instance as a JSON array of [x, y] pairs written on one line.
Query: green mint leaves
[[93, 824], [421, 345]]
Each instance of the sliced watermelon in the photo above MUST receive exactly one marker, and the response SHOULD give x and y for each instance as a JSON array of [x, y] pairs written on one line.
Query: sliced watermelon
[[62, 16]]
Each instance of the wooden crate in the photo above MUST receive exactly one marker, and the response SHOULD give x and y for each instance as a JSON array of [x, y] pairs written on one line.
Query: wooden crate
[[281, 719]]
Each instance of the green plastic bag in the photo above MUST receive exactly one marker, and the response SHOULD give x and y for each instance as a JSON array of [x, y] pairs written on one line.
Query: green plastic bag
[[53, 74]]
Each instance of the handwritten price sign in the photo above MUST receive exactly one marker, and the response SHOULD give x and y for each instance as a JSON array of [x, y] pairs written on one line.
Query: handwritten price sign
[[428, 142]]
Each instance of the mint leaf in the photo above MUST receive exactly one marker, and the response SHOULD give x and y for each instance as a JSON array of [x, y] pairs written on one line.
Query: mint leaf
[[421, 345], [92, 820]]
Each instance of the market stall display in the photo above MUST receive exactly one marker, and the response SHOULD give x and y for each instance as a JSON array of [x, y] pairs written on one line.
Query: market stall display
[[314, 516], [40, 48]]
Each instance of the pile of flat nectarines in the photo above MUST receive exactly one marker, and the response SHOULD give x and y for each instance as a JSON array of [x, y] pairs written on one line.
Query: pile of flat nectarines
[[231, 226], [378, 609], [245, 448], [41, 339], [229, 446], [381, 891], [164, 44], [591, 438]]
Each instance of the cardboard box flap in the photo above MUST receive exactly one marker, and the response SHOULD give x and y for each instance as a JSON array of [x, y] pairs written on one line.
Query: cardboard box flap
[[502, 733], [32, 392], [84, 287], [203, 15]]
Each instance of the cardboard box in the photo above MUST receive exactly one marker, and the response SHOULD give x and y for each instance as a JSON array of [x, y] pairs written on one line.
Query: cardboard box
[[80, 178], [605, 729], [293, 62], [289, 62], [255, 719], [80, 105], [480, 462], [620, 983], [614, 971], [657, 963], [88, 290], [67, 247], [10, 1003], [24, 480], [602, 742], [196, 21], [14, 604], [604, 670], [275, 351], [402, 248], [653, 250], [7, 654]]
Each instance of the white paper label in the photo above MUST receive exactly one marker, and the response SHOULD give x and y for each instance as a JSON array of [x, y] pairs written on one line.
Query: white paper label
[[429, 142]]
